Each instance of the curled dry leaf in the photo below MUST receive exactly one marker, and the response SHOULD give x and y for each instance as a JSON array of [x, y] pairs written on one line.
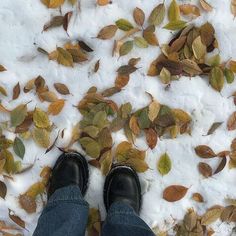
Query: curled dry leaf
[[139, 16], [66, 20], [174, 193], [107, 32], [16, 219], [56, 107], [221, 166], [149, 36], [205, 169], [62, 88], [2, 68], [206, 6], [204, 151], [96, 66], [231, 124]]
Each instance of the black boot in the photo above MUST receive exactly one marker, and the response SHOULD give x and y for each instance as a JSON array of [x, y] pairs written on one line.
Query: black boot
[[122, 185], [70, 169]]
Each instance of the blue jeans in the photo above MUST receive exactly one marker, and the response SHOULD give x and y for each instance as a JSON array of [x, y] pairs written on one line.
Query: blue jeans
[[66, 214]]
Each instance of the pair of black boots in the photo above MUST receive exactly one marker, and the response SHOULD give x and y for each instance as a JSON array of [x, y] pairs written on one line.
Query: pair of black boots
[[121, 185]]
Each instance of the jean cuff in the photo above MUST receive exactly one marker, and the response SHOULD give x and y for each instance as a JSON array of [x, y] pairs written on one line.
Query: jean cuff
[[121, 208]]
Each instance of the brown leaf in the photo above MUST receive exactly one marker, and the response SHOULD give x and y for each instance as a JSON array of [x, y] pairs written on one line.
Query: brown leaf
[[214, 127], [126, 70], [27, 203], [134, 61], [206, 6], [56, 21], [205, 169], [107, 32], [133, 124], [2, 68], [3, 189], [16, 91], [64, 57], [62, 88], [16, 219], [121, 81], [96, 67], [197, 197], [233, 7], [48, 96], [139, 16], [78, 55], [151, 137], [231, 124], [174, 193], [149, 36], [191, 67], [110, 91], [175, 68], [177, 44], [85, 46], [188, 9], [56, 107], [66, 20], [207, 33], [221, 166], [204, 151], [211, 216]]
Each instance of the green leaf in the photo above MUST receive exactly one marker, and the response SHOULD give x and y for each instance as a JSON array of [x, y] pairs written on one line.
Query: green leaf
[[18, 115], [91, 147], [217, 78], [175, 25], [229, 75], [140, 42], [164, 164], [126, 48], [19, 147], [174, 12], [143, 119], [124, 25], [157, 15], [199, 49], [214, 60]]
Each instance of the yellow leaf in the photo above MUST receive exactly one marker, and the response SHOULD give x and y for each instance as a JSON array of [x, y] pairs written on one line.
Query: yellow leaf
[[56, 107], [40, 118], [103, 2], [174, 12], [53, 3], [41, 137], [64, 57]]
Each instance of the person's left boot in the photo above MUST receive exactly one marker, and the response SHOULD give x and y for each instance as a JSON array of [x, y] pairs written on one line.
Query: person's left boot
[[70, 169]]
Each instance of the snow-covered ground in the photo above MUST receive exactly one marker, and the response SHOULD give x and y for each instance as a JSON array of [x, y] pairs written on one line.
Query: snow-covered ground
[[21, 24]]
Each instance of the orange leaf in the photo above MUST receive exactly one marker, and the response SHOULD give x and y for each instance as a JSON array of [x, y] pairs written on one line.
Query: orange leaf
[[56, 107], [174, 193]]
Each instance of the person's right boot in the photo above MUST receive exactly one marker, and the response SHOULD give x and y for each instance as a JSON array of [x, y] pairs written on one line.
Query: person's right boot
[[122, 185]]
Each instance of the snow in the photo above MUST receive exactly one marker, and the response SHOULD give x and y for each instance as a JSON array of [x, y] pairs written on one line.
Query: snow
[[21, 24]]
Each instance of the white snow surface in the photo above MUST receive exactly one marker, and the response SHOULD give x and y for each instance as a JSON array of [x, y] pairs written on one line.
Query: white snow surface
[[21, 24]]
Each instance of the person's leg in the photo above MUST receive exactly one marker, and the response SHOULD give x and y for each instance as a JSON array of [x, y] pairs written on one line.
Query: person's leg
[[66, 213], [122, 198]]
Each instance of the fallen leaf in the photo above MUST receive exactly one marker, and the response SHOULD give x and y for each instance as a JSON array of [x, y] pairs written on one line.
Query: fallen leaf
[[221, 166], [64, 57], [66, 20], [233, 7], [27, 203], [106, 162], [139, 165], [85, 46], [126, 70], [110, 91], [140, 42], [157, 15], [205, 169], [149, 36], [96, 67], [126, 48], [211, 216], [174, 193], [19, 147], [188, 9], [139, 16], [174, 12], [231, 124], [103, 2], [216, 78], [56, 21], [3, 190], [52, 3], [107, 32], [91, 147], [16, 219], [191, 67], [48, 96], [206, 6], [61, 88], [40, 118], [18, 115], [41, 137], [207, 33], [133, 124], [3, 91], [204, 151], [164, 164], [214, 127], [197, 197], [134, 61], [199, 49], [229, 75], [16, 91], [56, 107], [151, 137], [124, 24], [153, 110], [2, 68]]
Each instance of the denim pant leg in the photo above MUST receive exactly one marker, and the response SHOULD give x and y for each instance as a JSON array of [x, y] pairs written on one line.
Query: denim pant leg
[[66, 214], [122, 220]]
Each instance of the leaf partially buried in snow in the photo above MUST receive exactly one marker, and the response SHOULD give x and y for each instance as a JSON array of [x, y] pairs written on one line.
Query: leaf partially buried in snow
[[164, 164], [217, 78], [18, 115], [41, 137], [204, 151], [231, 124], [56, 107], [61, 88], [124, 24], [107, 32], [27, 203], [157, 15], [174, 193], [139, 16], [2, 68], [19, 147], [53, 3], [64, 57]]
